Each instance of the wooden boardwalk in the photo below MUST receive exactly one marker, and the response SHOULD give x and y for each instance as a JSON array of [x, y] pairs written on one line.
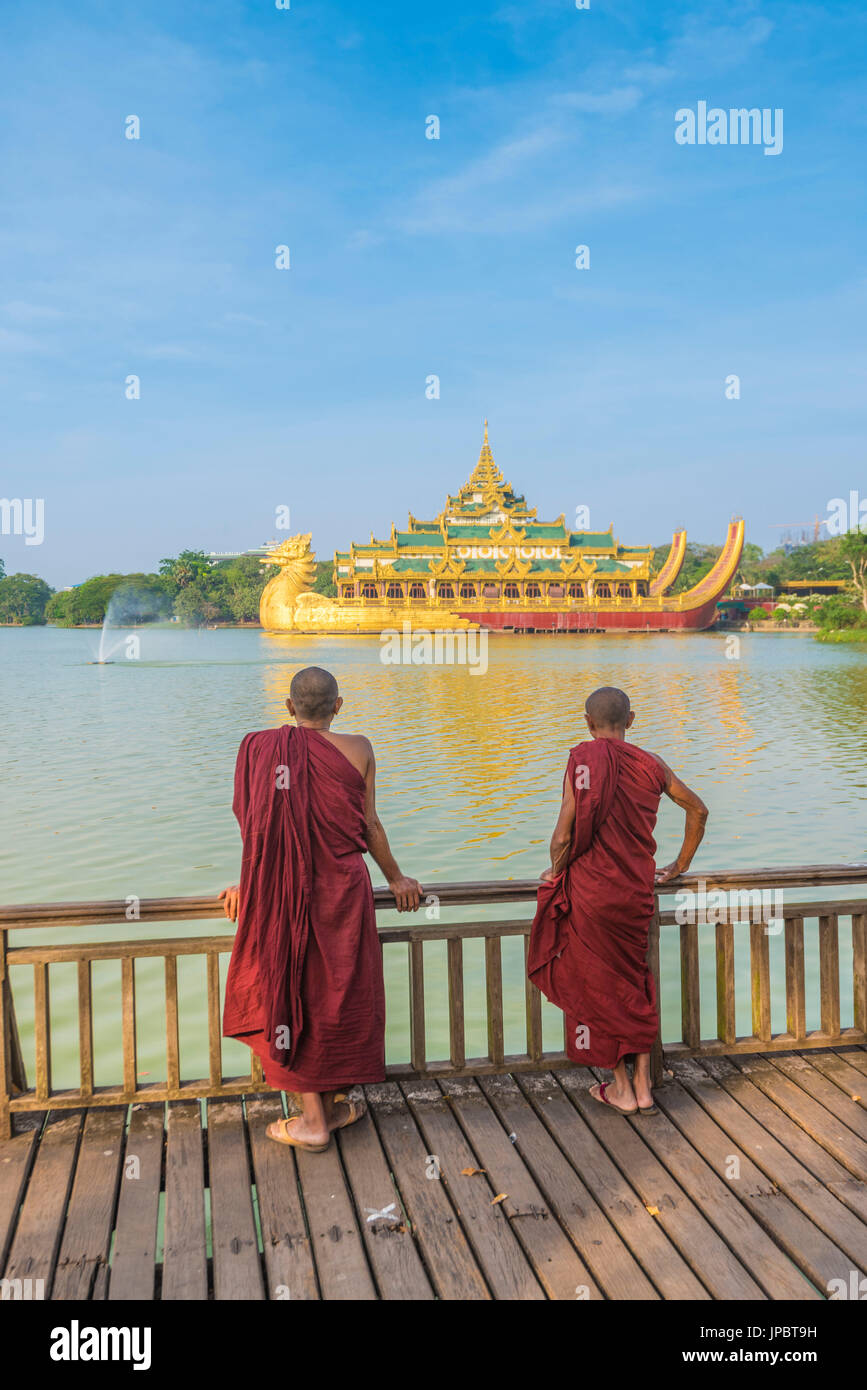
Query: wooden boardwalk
[[751, 1183]]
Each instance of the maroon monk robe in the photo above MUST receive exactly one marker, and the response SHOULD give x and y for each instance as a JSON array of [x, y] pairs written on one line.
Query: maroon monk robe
[[588, 942], [304, 987]]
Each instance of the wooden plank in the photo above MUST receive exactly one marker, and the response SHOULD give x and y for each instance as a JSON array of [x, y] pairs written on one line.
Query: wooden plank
[[533, 1007], [606, 1255], [185, 1251], [173, 1069], [670, 1274], [859, 969], [237, 1266], [16, 1160], [760, 981], [559, 1268], [817, 1160], [843, 1229], [708, 1255], [690, 1001], [40, 1221], [814, 1118], [89, 1221], [457, 1044], [725, 982], [127, 988], [446, 1251], [42, 1032], [796, 1006], [811, 1080], [701, 1179], [792, 1243], [215, 1053], [85, 1028], [391, 1249], [844, 1071], [133, 1265], [289, 1268], [494, 997], [338, 1246], [416, 1005], [495, 1246], [829, 974]]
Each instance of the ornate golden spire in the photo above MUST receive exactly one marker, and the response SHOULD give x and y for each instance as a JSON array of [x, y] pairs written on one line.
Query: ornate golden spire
[[486, 474]]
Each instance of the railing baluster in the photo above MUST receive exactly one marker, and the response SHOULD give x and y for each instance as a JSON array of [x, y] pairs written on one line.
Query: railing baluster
[[657, 1059], [457, 1044], [129, 1028], [760, 981], [494, 997], [41, 1029], [85, 1027], [690, 998], [173, 1059], [829, 975], [533, 1007], [257, 1075], [417, 1047], [215, 1054], [726, 1029], [859, 969], [796, 999]]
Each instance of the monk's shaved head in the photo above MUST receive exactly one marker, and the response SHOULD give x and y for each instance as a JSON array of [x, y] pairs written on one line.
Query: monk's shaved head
[[608, 707], [313, 692]]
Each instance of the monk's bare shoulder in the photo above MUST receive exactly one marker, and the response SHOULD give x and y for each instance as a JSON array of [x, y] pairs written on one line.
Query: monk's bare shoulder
[[356, 748]]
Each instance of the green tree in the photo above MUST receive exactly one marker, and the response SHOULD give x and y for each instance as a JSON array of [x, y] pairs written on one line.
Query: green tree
[[853, 550], [324, 581], [23, 599], [187, 568], [197, 604]]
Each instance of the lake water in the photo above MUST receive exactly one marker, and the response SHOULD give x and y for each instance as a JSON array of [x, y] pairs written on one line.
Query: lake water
[[117, 780]]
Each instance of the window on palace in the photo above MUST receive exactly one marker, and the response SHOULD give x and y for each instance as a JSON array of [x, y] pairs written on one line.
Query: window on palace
[[416, 591], [533, 591], [468, 591], [511, 591], [368, 591], [446, 591], [394, 591], [576, 590], [490, 591], [603, 591], [348, 591], [555, 590], [641, 589], [624, 591]]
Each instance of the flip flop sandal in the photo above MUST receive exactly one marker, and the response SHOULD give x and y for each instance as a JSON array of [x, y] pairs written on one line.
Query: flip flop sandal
[[356, 1110], [603, 1100], [279, 1131], [647, 1110]]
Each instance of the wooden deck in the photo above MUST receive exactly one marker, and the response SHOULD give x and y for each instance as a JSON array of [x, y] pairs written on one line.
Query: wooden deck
[[750, 1184]]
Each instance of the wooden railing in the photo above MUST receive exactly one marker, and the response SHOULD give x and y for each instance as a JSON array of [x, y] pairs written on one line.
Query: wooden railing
[[15, 1096]]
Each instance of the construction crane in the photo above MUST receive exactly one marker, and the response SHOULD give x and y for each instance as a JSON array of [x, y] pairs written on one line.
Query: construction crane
[[787, 527]]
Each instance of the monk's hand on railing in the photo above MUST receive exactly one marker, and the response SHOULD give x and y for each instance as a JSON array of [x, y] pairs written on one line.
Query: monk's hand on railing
[[232, 896], [669, 872], [548, 875], [407, 893]]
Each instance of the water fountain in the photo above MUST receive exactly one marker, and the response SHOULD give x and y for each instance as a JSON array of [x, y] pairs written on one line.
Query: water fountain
[[128, 605]]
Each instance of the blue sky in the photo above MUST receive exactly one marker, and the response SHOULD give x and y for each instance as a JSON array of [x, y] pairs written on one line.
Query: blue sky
[[412, 257]]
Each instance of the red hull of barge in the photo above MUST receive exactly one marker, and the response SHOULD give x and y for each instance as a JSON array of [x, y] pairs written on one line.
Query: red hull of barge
[[691, 619]]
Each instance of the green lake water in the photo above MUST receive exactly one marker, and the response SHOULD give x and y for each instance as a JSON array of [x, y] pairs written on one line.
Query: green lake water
[[117, 781]]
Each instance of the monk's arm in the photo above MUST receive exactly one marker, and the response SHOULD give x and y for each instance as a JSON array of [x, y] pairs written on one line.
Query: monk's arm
[[562, 837], [696, 819], [407, 891]]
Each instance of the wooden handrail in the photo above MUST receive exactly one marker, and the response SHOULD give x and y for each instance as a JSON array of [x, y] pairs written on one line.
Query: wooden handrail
[[205, 907], [417, 931]]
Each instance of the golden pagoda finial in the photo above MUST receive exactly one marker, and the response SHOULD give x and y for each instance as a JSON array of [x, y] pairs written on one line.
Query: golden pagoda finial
[[486, 474]]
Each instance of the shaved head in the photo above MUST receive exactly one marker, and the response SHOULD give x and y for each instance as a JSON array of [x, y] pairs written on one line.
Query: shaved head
[[313, 692], [608, 707]]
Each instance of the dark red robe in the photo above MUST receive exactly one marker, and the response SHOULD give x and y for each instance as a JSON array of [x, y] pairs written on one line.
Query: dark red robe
[[304, 987], [588, 942]]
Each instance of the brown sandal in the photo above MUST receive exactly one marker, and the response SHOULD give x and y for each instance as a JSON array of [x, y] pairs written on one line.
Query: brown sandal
[[279, 1130], [356, 1110], [602, 1087]]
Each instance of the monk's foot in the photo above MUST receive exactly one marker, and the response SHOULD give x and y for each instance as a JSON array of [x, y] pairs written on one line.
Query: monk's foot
[[346, 1112], [619, 1098], [643, 1095], [297, 1130]]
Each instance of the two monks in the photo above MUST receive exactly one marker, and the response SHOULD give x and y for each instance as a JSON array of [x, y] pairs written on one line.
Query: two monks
[[305, 987], [589, 938]]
